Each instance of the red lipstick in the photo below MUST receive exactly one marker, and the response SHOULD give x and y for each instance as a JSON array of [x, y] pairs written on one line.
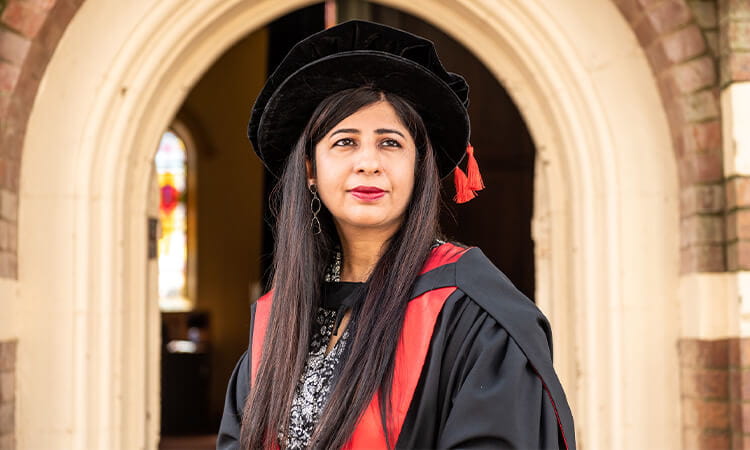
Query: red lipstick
[[367, 193]]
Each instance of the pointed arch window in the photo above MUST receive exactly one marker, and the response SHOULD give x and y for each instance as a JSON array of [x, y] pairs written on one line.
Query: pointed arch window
[[174, 257]]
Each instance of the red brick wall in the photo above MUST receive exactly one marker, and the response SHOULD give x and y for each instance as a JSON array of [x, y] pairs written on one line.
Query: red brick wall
[[7, 394], [715, 382], [680, 42]]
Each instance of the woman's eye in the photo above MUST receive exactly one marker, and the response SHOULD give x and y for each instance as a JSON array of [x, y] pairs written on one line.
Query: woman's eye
[[343, 142], [391, 143]]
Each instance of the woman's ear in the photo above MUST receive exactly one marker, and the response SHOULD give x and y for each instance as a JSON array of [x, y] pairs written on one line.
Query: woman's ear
[[310, 172]]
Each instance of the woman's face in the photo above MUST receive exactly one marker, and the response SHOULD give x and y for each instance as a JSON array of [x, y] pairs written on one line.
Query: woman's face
[[365, 169]]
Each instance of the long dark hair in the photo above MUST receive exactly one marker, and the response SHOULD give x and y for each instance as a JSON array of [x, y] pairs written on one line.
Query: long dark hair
[[299, 264]]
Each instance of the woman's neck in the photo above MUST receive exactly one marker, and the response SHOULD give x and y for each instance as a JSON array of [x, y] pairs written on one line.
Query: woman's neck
[[361, 253]]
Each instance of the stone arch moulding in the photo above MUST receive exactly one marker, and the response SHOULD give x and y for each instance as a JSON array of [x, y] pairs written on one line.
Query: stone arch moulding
[[106, 102]]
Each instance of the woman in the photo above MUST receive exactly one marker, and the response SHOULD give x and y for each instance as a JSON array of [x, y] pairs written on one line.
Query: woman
[[376, 333]]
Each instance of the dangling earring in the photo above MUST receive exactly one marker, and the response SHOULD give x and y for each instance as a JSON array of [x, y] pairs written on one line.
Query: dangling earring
[[315, 207]]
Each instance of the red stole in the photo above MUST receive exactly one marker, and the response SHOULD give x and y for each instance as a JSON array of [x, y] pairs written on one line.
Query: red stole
[[419, 323]]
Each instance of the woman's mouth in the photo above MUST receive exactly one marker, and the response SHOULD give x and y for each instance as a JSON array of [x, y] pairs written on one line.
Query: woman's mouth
[[367, 193]]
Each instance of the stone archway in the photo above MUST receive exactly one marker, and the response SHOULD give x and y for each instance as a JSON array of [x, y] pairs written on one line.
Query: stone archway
[[605, 195]]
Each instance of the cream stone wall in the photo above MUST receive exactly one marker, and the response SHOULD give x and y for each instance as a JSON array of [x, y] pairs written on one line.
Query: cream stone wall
[[710, 305], [606, 219], [735, 109]]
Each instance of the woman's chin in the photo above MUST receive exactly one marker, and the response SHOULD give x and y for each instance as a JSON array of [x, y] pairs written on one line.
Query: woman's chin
[[368, 221], [375, 216]]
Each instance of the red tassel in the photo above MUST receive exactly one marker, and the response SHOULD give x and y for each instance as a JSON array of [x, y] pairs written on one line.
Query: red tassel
[[463, 193], [475, 178]]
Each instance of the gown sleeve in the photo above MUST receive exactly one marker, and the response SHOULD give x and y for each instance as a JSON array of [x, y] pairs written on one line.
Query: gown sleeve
[[479, 390], [234, 402], [497, 400]]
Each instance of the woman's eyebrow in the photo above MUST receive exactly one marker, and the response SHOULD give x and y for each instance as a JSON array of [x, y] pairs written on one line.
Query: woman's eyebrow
[[388, 130], [378, 131], [345, 130]]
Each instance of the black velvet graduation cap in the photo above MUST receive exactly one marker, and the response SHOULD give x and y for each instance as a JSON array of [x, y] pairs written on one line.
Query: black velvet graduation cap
[[357, 53]]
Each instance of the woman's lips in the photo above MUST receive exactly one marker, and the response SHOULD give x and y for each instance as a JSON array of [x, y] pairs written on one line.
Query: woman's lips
[[367, 193]]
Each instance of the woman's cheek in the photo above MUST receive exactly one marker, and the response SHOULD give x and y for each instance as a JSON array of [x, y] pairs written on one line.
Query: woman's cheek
[[325, 194]]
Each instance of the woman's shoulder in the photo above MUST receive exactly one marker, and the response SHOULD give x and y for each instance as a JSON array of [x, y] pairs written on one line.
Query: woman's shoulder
[[488, 315], [476, 274], [479, 281]]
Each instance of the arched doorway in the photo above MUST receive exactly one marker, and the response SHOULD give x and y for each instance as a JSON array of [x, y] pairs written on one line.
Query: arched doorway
[[600, 191]]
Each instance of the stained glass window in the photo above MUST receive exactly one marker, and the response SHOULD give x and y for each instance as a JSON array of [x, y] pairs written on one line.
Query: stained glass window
[[171, 168]]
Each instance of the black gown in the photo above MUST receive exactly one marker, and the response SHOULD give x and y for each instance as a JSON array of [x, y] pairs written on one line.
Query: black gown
[[487, 381]]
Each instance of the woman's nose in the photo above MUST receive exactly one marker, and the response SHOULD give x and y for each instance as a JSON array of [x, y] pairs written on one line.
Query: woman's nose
[[368, 158]]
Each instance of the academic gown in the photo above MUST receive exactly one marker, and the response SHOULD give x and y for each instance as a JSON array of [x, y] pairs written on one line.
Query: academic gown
[[487, 380]]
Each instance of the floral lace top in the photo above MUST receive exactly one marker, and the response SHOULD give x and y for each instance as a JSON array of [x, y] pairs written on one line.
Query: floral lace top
[[315, 383], [320, 369]]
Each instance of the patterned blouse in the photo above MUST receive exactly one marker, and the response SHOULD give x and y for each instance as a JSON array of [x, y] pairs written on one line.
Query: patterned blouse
[[315, 383], [320, 369]]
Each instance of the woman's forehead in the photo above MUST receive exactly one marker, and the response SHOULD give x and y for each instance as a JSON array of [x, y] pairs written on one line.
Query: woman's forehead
[[374, 117]]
